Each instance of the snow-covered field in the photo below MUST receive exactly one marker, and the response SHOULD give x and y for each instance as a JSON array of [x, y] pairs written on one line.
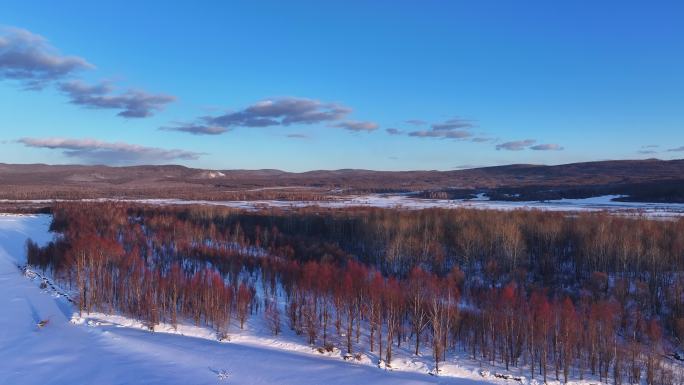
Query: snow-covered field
[[105, 349], [595, 204]]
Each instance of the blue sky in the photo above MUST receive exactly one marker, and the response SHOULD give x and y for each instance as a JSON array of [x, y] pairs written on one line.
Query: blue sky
[[316, 85]]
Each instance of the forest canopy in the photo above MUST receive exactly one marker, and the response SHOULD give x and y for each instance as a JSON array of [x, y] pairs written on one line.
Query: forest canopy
[[509, 287]]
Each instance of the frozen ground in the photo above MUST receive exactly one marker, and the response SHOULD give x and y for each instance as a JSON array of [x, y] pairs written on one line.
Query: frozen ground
[[103, 349], [601, 203]]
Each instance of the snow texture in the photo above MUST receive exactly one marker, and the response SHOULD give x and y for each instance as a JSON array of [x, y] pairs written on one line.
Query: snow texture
[[43, 341], [481, 201], [107, 349]]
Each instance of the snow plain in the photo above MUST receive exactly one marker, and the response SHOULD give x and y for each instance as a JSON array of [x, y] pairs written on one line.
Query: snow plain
[[104, 349], [595, 204], [405, 201]]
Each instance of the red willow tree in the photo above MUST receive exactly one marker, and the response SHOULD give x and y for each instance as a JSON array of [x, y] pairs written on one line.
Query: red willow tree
[[202, 264]]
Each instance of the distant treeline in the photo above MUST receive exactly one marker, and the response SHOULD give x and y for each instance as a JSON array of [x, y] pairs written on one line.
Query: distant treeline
[[198, 192], [663, 191], [564, 295]]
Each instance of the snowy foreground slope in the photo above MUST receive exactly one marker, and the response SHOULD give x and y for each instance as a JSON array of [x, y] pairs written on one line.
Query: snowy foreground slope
[[63, 352]]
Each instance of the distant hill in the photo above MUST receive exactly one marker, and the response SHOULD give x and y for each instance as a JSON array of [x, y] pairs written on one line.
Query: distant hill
[[648, 180]]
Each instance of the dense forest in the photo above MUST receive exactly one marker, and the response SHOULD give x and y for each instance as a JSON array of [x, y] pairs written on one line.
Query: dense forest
[[664, 191], [562, 295]]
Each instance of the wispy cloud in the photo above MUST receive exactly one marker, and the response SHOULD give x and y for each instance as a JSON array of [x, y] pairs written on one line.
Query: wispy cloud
[[282, 112], [461, 129], [394, 131], [447, 134], [466, 166], [196, 129], [298, 136], [131, 103], [677, 149], [278, 112], [517, 145], [648, 149], [96, 151], [548, 147], [416, 122], [482, 139], [453, 124], [450, 129], [355, 125], [28, 58]]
